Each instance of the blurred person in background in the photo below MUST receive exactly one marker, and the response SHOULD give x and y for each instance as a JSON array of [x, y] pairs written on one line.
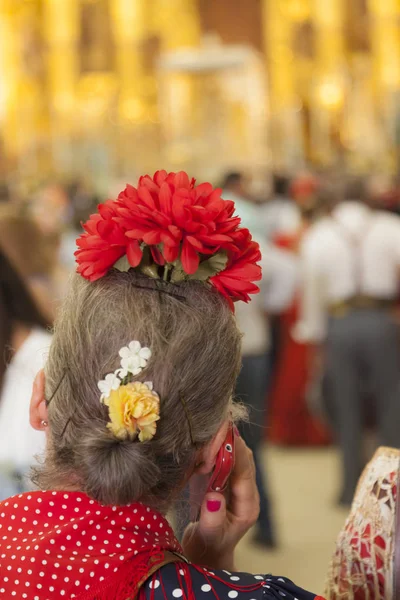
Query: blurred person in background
[[23, 342], [351, 281], [281, 214], [234, 187], [277, 290], [33, 254], [5, 195], [277, 287], [51, 210], [292, 422]]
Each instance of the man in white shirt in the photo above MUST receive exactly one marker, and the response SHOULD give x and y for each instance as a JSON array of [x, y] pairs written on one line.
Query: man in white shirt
[[281, 215], [351, 271]]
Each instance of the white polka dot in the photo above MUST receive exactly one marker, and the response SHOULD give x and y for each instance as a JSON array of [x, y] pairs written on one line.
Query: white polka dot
[[233, 594], [234, 578], [280, 579], [258, 577], [177, 593], [206, 587], [153, 585]]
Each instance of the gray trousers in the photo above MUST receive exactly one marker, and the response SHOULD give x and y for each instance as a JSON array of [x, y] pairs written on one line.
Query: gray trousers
[[363, 352], [251, 388]]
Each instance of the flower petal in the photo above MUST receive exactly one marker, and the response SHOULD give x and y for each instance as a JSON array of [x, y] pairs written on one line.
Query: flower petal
[[134, 347], [145, 353], [134, 253], [189, 258]]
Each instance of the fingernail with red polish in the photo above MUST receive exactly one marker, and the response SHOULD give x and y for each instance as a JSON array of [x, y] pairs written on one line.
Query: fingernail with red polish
[[236, 430], [213, 505]]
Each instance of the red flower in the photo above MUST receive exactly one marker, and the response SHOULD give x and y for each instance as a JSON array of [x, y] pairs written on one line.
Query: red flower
[[177, 220], [187, 221], [235, 282], [102, 245]]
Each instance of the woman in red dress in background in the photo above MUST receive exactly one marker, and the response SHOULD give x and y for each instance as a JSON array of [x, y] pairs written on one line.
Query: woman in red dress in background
[[291, 422]]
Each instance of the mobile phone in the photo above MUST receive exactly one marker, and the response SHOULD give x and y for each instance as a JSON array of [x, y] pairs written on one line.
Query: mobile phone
[[224, 464], [200, 485]]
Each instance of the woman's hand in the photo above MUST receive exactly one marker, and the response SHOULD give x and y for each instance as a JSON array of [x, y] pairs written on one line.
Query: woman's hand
[[212, 540]]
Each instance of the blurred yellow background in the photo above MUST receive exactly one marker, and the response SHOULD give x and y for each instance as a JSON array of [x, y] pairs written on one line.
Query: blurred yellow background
[[109, 87]]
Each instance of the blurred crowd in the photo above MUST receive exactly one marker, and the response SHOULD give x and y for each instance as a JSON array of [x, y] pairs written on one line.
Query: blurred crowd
[[321, 350]]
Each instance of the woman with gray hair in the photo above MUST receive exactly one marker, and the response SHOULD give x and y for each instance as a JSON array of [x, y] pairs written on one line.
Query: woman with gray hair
[[135, 400]]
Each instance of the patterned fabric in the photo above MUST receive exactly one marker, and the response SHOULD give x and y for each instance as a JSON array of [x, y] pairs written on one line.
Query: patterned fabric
[[57, 545], [64, 545], [363, 567], [191, 582]]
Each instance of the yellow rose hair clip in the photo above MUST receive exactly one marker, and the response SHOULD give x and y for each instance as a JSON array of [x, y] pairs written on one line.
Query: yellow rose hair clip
[[133, 407]]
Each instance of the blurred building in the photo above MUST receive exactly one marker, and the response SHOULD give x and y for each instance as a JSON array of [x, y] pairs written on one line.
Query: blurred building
[[107, 87]]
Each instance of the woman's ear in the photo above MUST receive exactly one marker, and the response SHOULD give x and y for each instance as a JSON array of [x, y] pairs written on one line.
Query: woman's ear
[[38, 415], [207, 457]]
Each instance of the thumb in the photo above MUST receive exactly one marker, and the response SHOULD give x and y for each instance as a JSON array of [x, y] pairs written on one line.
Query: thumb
[[212, 517]]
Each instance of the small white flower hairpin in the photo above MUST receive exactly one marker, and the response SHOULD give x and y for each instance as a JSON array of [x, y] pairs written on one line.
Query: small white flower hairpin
[[111, 382], [134, 359]]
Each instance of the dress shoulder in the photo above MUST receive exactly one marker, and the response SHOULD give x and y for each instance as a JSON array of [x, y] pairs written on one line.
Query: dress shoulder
[[186, 581]]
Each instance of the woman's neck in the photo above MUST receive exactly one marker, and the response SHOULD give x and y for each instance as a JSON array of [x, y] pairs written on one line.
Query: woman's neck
[[19, 335]]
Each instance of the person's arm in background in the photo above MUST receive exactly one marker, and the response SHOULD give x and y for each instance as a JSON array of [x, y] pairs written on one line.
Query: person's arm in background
[[282, 281], [312, 323]]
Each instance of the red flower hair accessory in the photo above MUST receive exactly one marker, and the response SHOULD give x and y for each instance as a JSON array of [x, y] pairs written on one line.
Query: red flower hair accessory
[[169, 228]]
